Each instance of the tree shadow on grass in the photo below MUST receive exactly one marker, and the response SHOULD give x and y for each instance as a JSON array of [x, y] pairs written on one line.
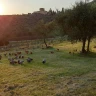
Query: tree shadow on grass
[[89, 54]]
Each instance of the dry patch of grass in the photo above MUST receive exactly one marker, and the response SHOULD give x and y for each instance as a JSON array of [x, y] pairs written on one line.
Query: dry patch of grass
[[64, 74]]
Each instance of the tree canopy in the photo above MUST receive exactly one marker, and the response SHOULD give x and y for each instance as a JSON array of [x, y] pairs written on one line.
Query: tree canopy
[[79, 22], [44, 30]]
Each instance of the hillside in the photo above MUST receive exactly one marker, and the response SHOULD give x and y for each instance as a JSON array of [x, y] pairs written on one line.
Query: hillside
[[13, 26]]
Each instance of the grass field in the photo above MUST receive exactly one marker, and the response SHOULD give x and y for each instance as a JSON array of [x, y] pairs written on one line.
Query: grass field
[[63, 74]]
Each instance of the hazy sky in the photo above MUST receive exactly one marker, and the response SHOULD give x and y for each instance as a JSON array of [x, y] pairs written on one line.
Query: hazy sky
[[29, 6]]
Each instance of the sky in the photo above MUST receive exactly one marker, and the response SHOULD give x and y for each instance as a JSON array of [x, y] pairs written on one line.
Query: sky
[[29, 6]]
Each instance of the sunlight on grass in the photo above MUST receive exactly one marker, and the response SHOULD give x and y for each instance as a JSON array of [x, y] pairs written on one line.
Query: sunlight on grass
[[63, 73]]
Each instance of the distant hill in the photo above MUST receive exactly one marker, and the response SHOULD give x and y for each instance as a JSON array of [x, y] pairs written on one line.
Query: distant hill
[[16, 26]]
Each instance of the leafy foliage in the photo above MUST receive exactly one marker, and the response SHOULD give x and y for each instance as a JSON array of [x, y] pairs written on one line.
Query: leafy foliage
[[44, 30], [79, 22]]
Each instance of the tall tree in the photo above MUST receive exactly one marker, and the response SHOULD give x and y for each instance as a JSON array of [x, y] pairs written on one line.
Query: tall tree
[[61, 20], [44, 30], [79, 23], [83, 18]]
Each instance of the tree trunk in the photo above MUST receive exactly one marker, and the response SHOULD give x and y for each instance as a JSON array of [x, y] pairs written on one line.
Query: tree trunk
[[89, 38], [45, 43], [83, 47]]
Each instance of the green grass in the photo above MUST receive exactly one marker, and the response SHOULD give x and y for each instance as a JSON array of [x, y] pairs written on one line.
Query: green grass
[[63, 74]]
